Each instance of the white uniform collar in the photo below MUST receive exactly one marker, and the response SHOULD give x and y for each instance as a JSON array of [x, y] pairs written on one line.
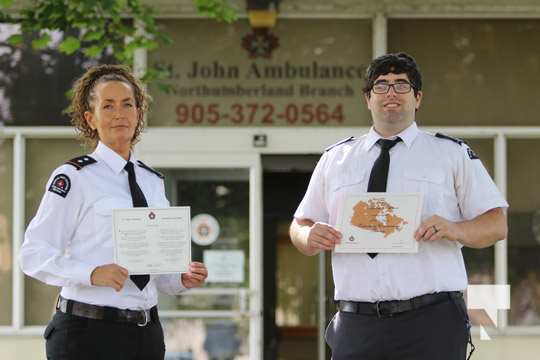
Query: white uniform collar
[[408, 135], [112, 158]]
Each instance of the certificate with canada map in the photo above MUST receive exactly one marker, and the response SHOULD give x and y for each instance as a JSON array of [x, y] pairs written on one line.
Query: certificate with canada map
[[379, 223]]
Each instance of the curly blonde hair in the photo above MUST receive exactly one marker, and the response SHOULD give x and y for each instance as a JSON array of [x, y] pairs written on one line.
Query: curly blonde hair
[[84, 97]]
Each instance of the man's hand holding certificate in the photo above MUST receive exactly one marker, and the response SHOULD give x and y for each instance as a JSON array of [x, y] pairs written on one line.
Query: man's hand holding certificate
[[379, 223], [152, 241]]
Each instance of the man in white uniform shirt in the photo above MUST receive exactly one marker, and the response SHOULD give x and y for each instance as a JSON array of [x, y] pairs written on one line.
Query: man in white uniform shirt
[[389, 303]]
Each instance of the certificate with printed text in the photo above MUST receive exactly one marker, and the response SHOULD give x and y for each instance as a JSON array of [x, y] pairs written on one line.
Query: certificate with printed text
[[379, 223], [152, 241]]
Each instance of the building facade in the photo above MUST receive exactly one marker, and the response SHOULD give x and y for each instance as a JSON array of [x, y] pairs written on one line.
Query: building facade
[[239, 127]]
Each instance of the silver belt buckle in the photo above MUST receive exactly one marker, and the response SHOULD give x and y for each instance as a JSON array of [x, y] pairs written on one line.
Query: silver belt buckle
[[61, 304], [379, 315], [146, 318]]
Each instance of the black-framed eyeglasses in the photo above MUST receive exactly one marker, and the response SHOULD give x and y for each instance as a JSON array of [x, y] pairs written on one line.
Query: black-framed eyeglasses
[[399, 88]]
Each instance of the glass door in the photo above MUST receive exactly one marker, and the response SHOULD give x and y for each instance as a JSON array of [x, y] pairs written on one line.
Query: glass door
[[221, 320], [294, 294]]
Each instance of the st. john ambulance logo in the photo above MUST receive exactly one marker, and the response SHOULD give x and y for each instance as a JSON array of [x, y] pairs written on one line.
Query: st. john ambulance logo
[[60, 185], [260, 43]]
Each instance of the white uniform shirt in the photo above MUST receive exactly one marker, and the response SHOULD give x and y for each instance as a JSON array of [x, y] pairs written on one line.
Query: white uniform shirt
[[71, 233], [455, 187]]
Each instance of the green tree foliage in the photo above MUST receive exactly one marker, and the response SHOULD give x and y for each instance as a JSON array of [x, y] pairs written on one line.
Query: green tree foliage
[[215, 9], [118, 27], [59, 39]]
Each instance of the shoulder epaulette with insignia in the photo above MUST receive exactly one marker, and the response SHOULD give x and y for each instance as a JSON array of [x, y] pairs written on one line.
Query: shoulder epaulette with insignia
[[451, 138], [461, 142], [144, 166], [81, 161], [339, 143]]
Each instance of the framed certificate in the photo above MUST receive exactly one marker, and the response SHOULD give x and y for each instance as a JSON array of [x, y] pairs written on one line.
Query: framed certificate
[[152, 241], [380, 222]]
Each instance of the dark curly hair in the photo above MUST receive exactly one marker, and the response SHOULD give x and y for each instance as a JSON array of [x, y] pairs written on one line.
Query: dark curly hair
[[84, 97], [398, 63]]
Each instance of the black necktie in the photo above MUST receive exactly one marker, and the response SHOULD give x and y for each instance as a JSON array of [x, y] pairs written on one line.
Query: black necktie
[[379, 171], [139, 200]]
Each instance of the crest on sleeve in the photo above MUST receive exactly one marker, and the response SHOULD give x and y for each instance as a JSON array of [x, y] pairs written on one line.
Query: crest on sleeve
[[60, 185], [471, 153]]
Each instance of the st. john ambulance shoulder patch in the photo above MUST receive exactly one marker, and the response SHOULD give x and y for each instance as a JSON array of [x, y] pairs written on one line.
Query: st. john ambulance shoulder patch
[[60, 185]]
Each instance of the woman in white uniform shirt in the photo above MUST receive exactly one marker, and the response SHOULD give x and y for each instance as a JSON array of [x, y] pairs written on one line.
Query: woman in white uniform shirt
[[102, 312]]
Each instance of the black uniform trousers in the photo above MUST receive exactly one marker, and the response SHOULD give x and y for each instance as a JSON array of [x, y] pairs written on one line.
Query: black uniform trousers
[[71, 337], [433, 332]]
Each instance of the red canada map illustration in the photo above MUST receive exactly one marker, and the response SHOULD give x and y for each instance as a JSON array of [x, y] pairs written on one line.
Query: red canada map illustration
[[377, 215]]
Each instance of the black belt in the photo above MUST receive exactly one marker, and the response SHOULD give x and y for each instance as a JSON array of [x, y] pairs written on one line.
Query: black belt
[[390, 308], [139, 317]]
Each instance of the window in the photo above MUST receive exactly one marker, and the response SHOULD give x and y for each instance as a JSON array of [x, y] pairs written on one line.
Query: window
[[42, 157], [480, 263], [524, 231], [6, 220], [33, 84], [221, 194], [470, 68], [208, 338]]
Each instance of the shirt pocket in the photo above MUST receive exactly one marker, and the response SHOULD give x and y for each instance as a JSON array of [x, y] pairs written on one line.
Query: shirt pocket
[[350, 182], [343, 186], [104, 207], [159, 202], [429, 182], [103, 210]]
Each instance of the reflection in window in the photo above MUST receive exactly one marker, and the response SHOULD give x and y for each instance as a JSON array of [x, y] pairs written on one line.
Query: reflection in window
[[480, 262], [524, 234], [224, 195], [42, 157], [469, 69], [291, 280], [6, 216], [211, 339], [33, 83], [297, 291]]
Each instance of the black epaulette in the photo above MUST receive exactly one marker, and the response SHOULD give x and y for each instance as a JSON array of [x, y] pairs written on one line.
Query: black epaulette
[[447, 137], [144, 166], [81, 161], [339, 143], [472, 155]]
